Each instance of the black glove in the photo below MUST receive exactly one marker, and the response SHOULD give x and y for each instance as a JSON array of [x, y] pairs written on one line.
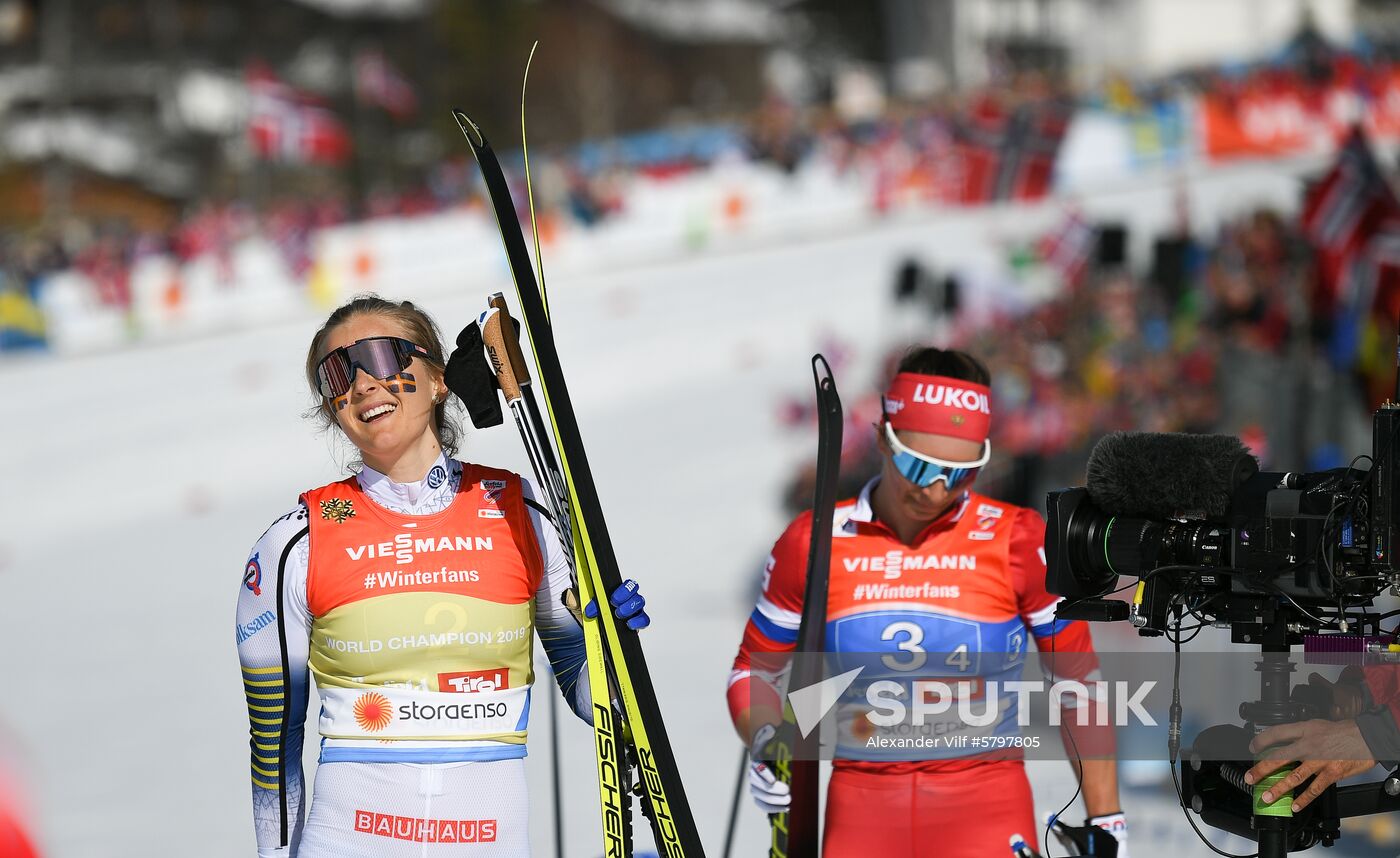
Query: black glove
[[470, 376], [1086, 839]]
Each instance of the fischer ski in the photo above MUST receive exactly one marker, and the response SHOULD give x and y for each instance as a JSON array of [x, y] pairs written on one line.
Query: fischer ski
[[614, 651], [795, 833], [502, 347]]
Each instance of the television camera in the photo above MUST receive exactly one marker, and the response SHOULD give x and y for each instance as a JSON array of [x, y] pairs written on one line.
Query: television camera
[[1280, 559]]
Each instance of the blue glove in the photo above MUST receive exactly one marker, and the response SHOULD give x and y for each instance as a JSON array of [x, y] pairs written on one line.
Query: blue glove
[[627, 605]]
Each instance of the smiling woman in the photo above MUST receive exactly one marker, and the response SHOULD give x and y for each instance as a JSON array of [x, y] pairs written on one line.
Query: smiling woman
[[411, 591], [393, 344]]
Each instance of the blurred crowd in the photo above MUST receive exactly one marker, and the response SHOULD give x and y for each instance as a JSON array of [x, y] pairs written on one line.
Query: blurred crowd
[[994, 144], [105, 251], [1217, 336], [1223, 333]]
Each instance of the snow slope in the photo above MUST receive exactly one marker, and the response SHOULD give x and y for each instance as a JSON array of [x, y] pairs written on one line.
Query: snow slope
[[136, 481]]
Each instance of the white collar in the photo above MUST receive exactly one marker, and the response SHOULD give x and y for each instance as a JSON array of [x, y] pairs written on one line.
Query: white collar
[[433, 492], [864, 513]]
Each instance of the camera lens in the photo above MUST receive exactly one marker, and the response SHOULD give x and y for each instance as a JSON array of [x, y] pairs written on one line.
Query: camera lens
[[1089, 548]]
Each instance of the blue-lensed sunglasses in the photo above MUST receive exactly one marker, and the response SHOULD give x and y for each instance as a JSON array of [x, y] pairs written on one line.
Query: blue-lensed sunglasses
[[923, 471]]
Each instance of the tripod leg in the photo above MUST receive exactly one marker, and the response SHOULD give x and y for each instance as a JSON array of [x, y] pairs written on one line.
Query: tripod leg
[[1273, 843]]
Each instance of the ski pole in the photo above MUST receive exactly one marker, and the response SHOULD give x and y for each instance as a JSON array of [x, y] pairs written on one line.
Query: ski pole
[[504, 352], [507, 360], [553, 478], [734, 805], [513, 375], [554, 772]]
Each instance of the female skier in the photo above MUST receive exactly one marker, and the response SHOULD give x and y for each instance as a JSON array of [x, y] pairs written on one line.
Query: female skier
[[940, 581], [412, 591]]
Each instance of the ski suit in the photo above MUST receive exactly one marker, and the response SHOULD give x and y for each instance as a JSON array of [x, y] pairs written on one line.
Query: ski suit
[[415, 606], [970, 590]]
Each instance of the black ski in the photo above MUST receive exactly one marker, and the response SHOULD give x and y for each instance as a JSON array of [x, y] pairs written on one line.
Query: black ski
[[795, 833], [664, 800]]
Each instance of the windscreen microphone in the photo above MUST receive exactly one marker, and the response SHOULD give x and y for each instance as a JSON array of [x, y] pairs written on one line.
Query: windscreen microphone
[[1160, 475]]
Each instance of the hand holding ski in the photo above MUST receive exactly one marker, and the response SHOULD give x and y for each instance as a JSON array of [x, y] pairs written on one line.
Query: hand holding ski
[[613, 648], [794, 832]]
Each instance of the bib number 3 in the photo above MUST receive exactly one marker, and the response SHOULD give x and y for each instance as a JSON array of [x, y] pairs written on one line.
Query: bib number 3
[[908, 638], [913, 635]]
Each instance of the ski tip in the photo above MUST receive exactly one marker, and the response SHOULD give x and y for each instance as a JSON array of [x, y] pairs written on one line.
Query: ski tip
[[469, 128]]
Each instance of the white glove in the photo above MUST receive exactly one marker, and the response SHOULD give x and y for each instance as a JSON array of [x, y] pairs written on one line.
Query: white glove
[[770, 794], [1076, 839], [1115, 824]]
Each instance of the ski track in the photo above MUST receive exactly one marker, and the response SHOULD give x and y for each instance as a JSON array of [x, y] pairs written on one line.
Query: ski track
[[139, 480]]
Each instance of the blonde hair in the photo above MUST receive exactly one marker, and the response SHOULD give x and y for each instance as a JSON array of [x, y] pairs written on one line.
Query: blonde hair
[[417, 326]]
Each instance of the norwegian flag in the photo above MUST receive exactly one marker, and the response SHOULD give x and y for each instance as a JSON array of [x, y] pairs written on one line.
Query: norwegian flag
[[378, 83], [1070, 247], [1353, 220], [1350, 202], [290, 126], [1010, 154]]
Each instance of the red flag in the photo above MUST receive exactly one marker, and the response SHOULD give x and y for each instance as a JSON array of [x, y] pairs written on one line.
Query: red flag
[[1010, 155], [291, 126], [978, 147], [1386, 254], [378, 83], [1069, 248], [1034, 140], [1372, 284], [1342, 212]]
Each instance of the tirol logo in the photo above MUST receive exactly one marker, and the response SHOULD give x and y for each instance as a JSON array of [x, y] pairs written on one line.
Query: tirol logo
[[252, 576], [437, 476], [337, 509], [953, 397], [373, 711], [469, 681]]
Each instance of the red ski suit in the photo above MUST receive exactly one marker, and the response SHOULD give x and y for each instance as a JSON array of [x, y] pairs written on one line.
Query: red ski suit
[[972, 586]]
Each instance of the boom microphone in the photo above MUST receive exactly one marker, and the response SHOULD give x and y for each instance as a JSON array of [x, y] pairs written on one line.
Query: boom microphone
[[1159, 475]]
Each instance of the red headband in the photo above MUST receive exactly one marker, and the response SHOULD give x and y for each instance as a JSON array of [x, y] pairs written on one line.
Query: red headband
[[940, 406]]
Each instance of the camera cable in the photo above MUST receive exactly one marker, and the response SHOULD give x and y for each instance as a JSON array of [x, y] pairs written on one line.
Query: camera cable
[[1174, 742]]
